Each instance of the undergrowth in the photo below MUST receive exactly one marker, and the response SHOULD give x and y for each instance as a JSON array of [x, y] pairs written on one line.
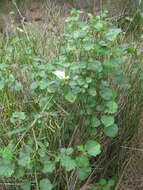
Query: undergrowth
[[64, 117]]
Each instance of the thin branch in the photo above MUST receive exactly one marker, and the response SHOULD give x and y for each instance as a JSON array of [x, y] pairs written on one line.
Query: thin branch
[[36, 143], [125, 169], [22, 17]]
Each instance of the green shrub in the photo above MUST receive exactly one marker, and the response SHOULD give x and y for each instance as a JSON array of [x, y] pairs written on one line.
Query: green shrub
[[103, 184], [55, 113]]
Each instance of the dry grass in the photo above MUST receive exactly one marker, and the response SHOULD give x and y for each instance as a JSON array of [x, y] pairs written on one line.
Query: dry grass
[[115, 158]]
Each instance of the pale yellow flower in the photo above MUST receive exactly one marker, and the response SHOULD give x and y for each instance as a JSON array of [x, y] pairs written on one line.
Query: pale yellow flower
[[61, 74]]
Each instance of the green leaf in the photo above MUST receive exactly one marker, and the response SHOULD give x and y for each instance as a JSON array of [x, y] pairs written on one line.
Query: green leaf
[[67, 151], [111, 64], [82, 161], [15, 131], [80, 148], [7, 153], [112, 107], [42, 74], [26, 185], [140, 1], [103, 43], [107, 120], [107, 94], [68, 163], [98, 26], [45, 184], [102, 182], [141, 76], [3, 66], [112, 34], [2, 84], [19, 172], [18, 86], [80, 81], [34, 85], [48, 167], [25, 157], [17, 117], [107, 188], [43, 84], [95, 122], [44, 101], [120, 80], [83, 173], [100, 108], [93, 148], [88, 79], [95, 66], [42, 152], [88, 45], [6, 168], [76, 34], [111, 131], [92, 92], [70, 97], [93, 131], [111, 183]]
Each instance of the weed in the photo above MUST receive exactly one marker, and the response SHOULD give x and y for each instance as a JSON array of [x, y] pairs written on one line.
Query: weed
[[56, 111]]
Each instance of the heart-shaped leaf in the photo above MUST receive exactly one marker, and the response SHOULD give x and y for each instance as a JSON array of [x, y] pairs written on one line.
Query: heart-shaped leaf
[[111, 131], [107, 120], [92, 148]]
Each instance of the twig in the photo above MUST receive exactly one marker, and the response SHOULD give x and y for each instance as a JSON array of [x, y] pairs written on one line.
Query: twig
[[73, 135], [72, 178], [36, 181], [132, 148], [88, 180], [67, 181], [36, 143], [125, 169], [60, 107], [22, 17]]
